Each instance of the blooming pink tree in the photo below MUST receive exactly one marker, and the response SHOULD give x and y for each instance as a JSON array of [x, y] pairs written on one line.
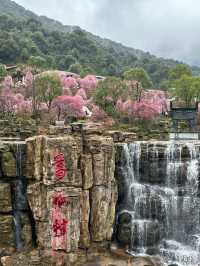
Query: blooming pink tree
[[89, 84], [128, 107], [70, 83], [22, 105], [157, 98], [138, 109], [7, 103], [68, 106], [98, 114], [28, 79], [7, 84], [119, 106], [25, 87], [82, 93], [151, 104], [146, 110]]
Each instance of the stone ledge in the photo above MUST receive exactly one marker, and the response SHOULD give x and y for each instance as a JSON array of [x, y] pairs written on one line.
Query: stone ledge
[[119, 136]]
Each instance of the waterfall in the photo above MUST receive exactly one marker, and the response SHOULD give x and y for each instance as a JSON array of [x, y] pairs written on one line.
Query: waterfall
[[159, 203], [20, 201]]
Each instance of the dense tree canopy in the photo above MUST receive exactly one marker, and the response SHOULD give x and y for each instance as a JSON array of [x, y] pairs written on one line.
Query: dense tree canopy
[[29, 40], [187, 89], [2, 71], [47, 88], [140, 75], [108, 92], [178, 72]]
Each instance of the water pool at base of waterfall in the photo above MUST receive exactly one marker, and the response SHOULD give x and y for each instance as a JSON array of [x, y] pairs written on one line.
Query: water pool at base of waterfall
[[181, 255], [159, 200]]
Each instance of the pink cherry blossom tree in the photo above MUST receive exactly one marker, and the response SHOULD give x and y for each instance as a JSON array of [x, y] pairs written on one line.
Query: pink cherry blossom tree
[[157, 98], [28, 79], [82, 93], [70, 83], [7, 84], [89, 84], [22, 105], [138, 109], [7, 104], [146, 110], [68, 106], [98, 114]]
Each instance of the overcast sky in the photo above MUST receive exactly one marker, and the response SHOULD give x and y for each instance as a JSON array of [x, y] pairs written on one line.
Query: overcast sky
[[167, 28]]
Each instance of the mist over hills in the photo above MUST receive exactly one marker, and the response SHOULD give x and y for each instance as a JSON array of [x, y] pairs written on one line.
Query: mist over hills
[[24, 34]]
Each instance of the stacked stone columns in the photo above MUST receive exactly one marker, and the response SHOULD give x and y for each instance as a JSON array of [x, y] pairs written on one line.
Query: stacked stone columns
[[72, 191]]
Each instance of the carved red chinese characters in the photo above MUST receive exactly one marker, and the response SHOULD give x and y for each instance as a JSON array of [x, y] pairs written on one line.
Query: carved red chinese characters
[[60, 223], [60, 227], [59, 166], [59, 200]]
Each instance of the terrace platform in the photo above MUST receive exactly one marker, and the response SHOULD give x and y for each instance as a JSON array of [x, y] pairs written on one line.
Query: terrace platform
[[184, 136]]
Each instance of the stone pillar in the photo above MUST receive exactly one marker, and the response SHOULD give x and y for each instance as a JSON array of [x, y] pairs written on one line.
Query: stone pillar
[[55, 195], [103, 189], [73, 192]]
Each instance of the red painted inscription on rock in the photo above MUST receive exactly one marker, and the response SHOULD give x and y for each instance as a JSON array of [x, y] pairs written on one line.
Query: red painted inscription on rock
[[59, 201], [59, 166], [60, 227]]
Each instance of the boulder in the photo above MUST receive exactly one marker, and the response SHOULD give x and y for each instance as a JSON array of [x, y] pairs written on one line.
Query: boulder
[[69, 171], [9, 167], [57, 214], [5, 198], [43, 157], [37, 194], [26, 233], [6, 230], [103, 201], [103, 162], [103, 167], [34, 163], [95, 143]]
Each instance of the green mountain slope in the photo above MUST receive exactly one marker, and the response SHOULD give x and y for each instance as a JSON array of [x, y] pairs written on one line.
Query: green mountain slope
[[24, 34]]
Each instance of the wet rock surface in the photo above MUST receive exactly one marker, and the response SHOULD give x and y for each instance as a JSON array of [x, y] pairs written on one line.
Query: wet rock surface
[[5, 198], [15, 226], [59, 193], [158, 185], [95, 256]]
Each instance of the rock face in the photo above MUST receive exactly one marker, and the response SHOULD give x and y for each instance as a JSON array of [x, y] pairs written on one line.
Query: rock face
[[73, 192], [93, 257], [60, 192], [5, 198], [8, 164], [15, 228], [6, 230]]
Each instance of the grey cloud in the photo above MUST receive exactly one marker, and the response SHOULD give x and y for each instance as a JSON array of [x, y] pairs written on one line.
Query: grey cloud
[[168, 28]]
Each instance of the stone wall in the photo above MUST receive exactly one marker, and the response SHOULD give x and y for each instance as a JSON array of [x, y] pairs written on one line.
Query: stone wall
[[59, 193], [72, 191], [15, 225]]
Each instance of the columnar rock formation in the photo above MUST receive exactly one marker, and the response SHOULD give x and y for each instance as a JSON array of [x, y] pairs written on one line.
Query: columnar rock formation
[[72, 191], [15, 219], [59, 193]]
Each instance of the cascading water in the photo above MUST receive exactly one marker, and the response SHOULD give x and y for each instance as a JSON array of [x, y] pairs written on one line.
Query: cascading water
[[19, 198], [159, 200]]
